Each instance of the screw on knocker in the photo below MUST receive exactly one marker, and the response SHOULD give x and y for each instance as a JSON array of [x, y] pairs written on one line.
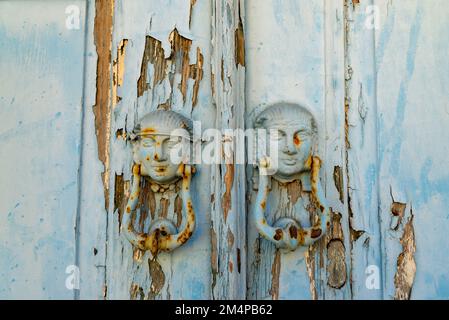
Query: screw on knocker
[[157, 135], [294, 130]]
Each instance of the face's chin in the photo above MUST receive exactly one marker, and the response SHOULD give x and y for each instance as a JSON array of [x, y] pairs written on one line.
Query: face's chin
[[162, 174], [288, 170]]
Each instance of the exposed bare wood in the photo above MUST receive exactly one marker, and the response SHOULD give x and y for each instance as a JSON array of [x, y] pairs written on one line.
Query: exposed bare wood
[[406, 265], [104, 11]]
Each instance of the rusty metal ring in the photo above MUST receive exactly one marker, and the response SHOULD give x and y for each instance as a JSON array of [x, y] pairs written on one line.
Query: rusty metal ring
[[286, 232], [163, 235]]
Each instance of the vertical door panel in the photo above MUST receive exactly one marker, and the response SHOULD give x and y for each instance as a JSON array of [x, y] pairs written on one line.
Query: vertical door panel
[[152, 45], [295, 54], [40, 110], [412, 47], [361, 116]]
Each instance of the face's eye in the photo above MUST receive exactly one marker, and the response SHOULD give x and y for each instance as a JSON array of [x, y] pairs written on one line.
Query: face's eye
[[297, 139], [148, 142], [173, 141]]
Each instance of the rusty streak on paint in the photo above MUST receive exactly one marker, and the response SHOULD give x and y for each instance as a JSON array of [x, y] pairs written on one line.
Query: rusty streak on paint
[[338, 181], [275, 274], [104, 11], [336, 264], [157, 278], [229, 181], [406, 266], [239, 37]]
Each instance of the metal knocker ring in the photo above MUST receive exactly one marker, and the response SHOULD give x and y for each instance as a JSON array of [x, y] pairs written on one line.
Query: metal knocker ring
[[155, 136], [286, 232], [294, 129]]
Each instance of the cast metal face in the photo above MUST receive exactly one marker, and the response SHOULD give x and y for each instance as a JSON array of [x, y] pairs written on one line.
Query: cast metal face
[[161, 135], [294, 144], [154, 157], [291, 128]]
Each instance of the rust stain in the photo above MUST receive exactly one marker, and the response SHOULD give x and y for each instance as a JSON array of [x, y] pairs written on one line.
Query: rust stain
[[297, 140], [147, 131], [315, 233], [120, 134], [228, 181], [406, 266], [104, 11], [157, 278], [275, 273], [278, 235], [293, 231], [239, 37]]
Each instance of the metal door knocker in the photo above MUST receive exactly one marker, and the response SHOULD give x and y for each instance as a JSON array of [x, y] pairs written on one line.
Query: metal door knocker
[[293, 129], [155, 139]]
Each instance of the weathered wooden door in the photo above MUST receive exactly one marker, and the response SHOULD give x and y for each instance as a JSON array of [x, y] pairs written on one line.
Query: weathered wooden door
[[78, 77]]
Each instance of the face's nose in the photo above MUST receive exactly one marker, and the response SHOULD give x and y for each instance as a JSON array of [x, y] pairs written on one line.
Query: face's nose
[[290, 147], [159, 153]]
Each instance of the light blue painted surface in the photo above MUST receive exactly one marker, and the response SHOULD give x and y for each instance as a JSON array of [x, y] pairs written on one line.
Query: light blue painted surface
[[395, 80], [40, 111], [412, 96]]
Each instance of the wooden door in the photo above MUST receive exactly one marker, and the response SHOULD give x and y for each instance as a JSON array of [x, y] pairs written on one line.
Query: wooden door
[[78, 76]]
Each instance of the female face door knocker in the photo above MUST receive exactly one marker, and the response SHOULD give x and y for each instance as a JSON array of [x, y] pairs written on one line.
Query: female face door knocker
[[292, 132], [157, 139]]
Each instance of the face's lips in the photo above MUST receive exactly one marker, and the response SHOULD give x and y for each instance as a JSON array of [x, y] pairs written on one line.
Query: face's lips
[[289, 162]]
